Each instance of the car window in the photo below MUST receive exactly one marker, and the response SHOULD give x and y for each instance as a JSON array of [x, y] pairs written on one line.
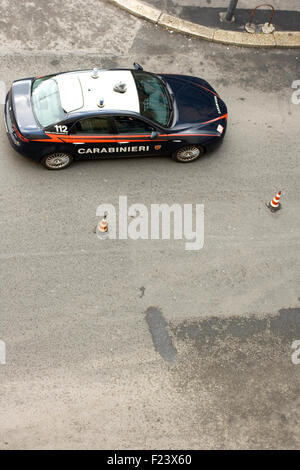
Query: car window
[[129, 125], [46, 101], [94, 125], [154, 97]]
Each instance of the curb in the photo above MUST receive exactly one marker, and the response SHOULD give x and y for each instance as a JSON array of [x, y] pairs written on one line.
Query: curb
[[143, 10]]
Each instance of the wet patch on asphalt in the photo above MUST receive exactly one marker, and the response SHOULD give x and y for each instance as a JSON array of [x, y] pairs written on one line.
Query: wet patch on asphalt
[[158, 329], [238, 378], [285, 325]]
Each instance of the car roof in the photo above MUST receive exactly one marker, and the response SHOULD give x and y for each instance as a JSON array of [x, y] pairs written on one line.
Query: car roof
[[83, 90]]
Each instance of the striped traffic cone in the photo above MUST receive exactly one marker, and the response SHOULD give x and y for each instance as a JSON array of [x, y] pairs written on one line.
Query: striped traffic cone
[[102, 227], [275, 205]]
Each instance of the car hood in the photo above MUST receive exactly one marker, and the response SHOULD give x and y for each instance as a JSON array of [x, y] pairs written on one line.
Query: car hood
[[195, 100]]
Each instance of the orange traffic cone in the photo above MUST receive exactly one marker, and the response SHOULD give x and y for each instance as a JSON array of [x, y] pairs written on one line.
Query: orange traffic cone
[[103, 225], [275, 205]]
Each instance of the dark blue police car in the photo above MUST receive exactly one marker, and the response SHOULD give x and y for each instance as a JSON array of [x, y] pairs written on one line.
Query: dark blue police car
[[98, 114]]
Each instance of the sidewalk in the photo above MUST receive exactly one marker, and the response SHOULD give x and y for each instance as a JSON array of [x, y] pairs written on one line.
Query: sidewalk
[[201, 18], [206, 12]]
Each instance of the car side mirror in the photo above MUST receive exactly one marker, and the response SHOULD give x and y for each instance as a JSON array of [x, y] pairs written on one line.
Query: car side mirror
[[137, 66], [154, 134]]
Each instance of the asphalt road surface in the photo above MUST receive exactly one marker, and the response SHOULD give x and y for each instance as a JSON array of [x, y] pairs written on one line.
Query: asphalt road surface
[[142, 344]]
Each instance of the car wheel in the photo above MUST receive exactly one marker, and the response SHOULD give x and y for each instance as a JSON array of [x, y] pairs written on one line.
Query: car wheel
[[57, 161], [189, 153]]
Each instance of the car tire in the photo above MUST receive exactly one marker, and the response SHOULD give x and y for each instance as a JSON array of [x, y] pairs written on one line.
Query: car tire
[[188, 153], [57, 161]]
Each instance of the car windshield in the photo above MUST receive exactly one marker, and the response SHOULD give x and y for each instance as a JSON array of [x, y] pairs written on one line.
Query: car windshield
[[46, 101], [155, 103]]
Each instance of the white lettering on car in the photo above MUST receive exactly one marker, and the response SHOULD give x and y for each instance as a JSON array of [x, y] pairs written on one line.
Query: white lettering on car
[[217, 104], [61, 129], [135, 148]]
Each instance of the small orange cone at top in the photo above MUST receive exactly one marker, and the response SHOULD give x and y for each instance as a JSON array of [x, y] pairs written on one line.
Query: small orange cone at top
[[275, 205], [103, 225]]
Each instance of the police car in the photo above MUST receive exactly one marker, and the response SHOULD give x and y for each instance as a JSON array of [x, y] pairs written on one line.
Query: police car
[[96, 114]]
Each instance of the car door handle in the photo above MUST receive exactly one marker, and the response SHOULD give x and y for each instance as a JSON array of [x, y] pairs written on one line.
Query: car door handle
[[78, 143], [123, 142]]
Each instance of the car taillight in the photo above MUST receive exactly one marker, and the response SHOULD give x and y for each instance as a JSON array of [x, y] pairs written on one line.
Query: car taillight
[[19, 135]]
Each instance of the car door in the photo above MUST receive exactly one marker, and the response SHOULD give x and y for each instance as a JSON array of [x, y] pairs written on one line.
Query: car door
[[92, 137], [135, 137]]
